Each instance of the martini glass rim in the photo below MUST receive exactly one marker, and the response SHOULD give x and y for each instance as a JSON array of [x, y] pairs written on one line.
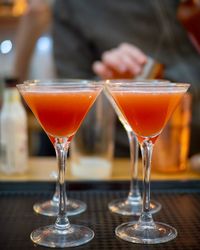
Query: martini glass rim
[[145, 83], [59, 83]]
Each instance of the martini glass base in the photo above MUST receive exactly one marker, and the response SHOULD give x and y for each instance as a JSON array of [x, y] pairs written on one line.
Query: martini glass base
[[50, 208], [128, 207], [49, 236], [135, 233]]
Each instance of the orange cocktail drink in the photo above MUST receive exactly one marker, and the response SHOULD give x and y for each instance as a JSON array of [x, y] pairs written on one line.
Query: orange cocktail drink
[[60, 106], [147, 107], [147, 113], [60, 113]]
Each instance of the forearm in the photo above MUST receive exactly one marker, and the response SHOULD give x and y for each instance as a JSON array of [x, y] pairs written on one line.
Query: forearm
[[31, 26]]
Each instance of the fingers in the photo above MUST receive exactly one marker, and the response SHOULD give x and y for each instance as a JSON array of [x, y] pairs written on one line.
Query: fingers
[[112, 59], [117, 62], [134, 53], [131, 64], [102, 70]]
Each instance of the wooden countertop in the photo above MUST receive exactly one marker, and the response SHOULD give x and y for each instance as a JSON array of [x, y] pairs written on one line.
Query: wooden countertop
[[44, 169]]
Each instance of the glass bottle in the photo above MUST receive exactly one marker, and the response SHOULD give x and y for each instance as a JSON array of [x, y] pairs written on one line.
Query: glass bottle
[[13, 125]]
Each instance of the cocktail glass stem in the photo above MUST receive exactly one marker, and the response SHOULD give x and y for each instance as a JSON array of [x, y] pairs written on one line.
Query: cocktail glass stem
[[146, 231], [56, 194], [146, 149], [61, 148], [51, 207], [134, 193], [62, 233], [132, 204]]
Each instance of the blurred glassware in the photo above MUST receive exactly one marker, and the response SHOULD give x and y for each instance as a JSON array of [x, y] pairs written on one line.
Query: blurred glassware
[[172, 147], [51, 207], [92, 148]]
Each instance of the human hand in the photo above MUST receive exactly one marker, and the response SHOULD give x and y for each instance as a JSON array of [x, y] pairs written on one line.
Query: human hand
[[125, 61]]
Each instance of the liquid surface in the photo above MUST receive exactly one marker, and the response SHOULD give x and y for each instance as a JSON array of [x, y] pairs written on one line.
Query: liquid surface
[[147, 113], [60, 113]]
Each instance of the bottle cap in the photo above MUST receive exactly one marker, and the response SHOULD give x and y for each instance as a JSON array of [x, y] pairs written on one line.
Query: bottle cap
[[11, 82]]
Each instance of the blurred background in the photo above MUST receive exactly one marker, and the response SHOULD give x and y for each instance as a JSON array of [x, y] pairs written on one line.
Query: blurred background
[[26, 51], [12, 13]]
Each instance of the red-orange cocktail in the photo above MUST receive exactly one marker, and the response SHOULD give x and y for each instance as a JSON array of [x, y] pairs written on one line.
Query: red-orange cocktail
[[147, 113], [60, 106], [59, 113], [147, 107]]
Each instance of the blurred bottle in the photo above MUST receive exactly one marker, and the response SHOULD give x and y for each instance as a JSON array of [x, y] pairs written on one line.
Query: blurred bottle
[[171, 149], [188, 14], [13, 125]]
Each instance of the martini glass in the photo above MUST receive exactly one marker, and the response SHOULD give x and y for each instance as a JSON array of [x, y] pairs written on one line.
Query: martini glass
[[60, 107], [147, 108], [132, 204]]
